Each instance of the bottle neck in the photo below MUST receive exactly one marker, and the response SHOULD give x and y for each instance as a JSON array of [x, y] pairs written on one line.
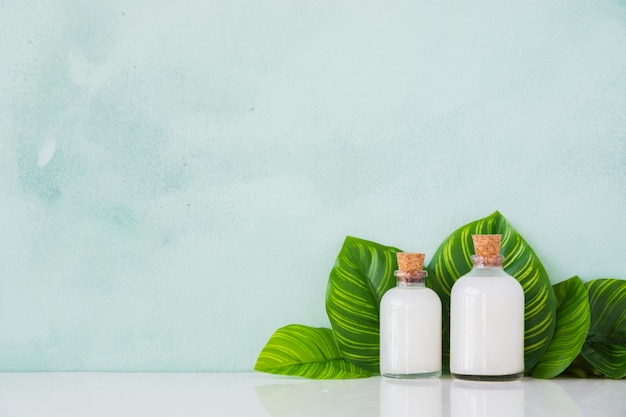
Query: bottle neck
[[410, 278], [487, 261]]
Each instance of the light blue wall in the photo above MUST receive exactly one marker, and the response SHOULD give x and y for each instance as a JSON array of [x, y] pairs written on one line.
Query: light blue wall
[[176, 181]]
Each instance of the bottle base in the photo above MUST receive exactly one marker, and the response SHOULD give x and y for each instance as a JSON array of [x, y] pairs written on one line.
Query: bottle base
[[510, 377], [435, 374]]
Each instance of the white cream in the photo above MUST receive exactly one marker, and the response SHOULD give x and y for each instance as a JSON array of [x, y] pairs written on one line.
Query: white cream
[[410, 332], [487, 325]]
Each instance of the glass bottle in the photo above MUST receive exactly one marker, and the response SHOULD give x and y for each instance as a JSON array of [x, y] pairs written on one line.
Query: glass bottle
[[410, 323], [487, 318]]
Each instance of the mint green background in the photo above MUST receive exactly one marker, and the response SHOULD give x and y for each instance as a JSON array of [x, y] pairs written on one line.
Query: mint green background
[[177, 178]]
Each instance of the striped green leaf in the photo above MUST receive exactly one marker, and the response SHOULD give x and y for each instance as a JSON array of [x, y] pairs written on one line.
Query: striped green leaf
[[572, 324], [362, 273], [581, 368], [308, 352], [605, 347], [452, 260]]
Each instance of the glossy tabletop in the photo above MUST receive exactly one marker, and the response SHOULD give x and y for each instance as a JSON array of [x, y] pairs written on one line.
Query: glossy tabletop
[[256, 395]]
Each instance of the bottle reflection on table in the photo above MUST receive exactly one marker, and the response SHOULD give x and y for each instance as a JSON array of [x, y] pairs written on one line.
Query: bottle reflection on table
[[410, 397], [486, 399]]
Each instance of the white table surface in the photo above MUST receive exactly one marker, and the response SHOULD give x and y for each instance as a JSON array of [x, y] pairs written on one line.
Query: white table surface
[[256, 394]]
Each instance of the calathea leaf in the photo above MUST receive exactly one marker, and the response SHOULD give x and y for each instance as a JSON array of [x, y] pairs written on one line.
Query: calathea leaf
[[452, 260], [307, 352], [572, 324], [363, 272], [581, 368], [605, 347]]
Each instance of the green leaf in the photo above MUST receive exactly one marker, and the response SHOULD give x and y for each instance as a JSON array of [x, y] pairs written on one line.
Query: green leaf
[[572, 324], [307, 352], [605, 347], [452, 260], [581, 368], [362, 273]]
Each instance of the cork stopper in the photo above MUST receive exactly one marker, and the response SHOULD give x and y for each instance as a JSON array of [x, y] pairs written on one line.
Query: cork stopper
[[410, 261], [487, 246]]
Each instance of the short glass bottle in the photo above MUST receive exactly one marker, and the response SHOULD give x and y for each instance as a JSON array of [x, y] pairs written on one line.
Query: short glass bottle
[[487, 322], [410, 328]]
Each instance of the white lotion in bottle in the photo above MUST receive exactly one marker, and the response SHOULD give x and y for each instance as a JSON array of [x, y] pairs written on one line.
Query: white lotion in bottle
[[410, 323], [487, 318]]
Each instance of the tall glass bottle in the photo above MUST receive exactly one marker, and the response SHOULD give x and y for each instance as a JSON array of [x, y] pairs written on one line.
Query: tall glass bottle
[[410, 323], [487, 318]]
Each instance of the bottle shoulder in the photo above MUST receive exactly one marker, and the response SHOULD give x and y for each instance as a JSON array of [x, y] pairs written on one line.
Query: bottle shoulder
[[487, 272], [406, 295], [487, 279]]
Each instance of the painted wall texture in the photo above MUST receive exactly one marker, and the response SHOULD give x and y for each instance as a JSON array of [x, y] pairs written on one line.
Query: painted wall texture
[[177, 178]]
